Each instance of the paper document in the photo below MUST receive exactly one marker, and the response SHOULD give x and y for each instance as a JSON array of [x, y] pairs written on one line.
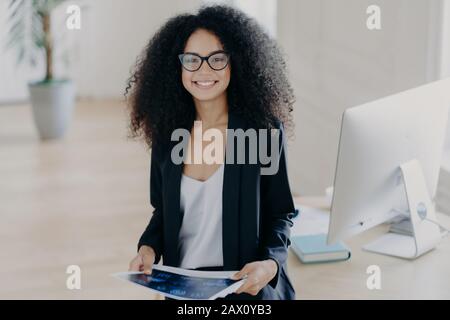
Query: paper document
[[310, 221], [183, 284]]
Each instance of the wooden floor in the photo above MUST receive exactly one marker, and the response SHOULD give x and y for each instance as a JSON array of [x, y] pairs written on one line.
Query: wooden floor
[[82, 200]]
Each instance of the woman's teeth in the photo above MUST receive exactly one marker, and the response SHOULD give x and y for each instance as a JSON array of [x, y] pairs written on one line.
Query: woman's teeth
[[205, 84]]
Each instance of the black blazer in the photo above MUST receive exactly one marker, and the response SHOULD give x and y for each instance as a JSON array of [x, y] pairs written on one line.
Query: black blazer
[[257, 211]]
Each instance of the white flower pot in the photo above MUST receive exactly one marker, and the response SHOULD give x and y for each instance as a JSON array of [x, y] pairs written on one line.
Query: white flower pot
[[52, 104]]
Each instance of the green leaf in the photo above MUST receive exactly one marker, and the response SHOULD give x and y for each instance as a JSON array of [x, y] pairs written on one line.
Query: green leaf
[[17, 26], [12, 3], [21, 55], [15, 39], [19, 6], [20, 32]]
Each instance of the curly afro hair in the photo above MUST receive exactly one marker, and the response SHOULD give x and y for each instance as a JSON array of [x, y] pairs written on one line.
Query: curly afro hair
[[259, 89]]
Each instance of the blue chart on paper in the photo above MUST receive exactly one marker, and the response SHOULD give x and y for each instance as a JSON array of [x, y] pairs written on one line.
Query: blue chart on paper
[[185, 287]]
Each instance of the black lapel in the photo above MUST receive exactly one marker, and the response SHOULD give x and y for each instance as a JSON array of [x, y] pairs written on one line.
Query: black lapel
[[230, 204], [175, 215]]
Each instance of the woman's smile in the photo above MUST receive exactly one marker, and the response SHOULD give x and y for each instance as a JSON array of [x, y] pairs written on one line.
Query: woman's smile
[[205, 84]]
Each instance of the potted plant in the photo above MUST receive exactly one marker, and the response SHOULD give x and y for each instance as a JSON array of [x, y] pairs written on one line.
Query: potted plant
[[52, 99]]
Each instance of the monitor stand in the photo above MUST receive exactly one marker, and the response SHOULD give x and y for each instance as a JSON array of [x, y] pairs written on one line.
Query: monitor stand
[[425, 234]]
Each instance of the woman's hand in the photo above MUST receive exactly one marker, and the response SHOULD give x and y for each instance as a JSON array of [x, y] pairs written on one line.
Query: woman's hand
[[258, 275], [144, 260]]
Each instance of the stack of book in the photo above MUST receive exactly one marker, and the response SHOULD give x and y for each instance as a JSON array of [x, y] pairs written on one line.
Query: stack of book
[[443, 190], [314, 249], [309, 237]]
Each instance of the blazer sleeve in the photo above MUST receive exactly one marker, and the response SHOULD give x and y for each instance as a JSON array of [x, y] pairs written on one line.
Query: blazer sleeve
[[153, 234], [277, 209]]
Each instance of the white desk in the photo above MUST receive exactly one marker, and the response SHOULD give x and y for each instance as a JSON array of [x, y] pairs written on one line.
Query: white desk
[[427, 277]]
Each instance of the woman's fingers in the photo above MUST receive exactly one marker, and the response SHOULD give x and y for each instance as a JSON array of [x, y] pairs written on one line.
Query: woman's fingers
[[135, 264], [252, 290], [242, 273], [258, 276], [245, 272], [148, 263], [251, 286], [243, 288]]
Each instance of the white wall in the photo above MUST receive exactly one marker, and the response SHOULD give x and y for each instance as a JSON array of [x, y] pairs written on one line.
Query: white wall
[[445, 54], [264, 11], [336, 62]]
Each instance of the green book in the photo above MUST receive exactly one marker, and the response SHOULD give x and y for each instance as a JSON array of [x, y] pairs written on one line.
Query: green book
[[314, 249]]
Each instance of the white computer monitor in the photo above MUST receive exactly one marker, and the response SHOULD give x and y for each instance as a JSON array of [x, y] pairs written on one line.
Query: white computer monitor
[[388, 163]]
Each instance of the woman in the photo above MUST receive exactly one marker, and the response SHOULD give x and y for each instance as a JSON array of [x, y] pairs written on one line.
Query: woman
[[218, 69]]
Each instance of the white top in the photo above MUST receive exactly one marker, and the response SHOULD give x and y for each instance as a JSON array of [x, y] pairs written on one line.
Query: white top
[[200, 235]]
